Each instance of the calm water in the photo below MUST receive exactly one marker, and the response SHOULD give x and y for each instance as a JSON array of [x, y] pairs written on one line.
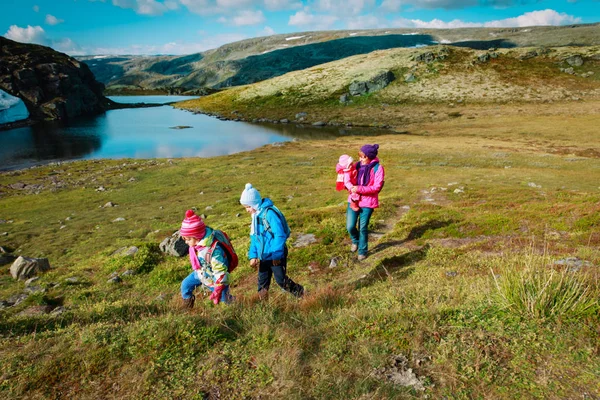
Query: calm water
[[145, 133]]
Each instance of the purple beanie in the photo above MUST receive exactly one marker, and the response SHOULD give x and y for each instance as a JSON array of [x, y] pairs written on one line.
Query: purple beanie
[[370, 150]]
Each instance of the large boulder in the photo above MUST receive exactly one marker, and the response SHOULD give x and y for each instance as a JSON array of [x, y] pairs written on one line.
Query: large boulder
[[51, 84], [174, 245], [377, 82], [24, 267]]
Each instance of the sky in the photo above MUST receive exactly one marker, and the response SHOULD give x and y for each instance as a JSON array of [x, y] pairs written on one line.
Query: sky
[[150, 27]]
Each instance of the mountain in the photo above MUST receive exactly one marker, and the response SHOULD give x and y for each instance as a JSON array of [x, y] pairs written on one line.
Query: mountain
[[51, 84], [257, 59]]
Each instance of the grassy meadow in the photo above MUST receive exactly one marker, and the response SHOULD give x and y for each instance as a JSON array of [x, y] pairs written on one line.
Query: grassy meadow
[[466, 289]]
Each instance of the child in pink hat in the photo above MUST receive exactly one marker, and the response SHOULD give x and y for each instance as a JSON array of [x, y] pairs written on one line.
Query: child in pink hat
[[212, 274], [347, 178]]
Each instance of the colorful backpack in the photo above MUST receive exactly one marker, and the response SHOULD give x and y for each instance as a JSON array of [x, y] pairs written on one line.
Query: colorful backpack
[[221, 238], [286, 227]]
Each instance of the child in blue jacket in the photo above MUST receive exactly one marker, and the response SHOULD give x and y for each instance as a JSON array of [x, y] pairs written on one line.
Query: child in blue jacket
[[268, 251]]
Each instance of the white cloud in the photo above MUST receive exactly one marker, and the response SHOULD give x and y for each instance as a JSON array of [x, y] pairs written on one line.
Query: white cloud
[[391, 5], [37, 35], [275, 5], [364, 22], [344, 7], [244, 18], [31, 34], [67, 46], [232, 4], [534, 18], [306, 20], [146, 7], [52, 20], [266, 31], [36, 8], [445, 4]]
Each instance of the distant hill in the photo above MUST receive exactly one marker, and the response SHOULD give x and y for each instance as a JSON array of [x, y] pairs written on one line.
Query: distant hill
[[257, 59]]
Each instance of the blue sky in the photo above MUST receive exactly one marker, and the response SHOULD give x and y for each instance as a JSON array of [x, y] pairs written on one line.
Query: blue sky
[[79, 27]]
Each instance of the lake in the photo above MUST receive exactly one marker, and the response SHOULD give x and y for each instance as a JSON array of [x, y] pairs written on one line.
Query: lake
[[146, 133]]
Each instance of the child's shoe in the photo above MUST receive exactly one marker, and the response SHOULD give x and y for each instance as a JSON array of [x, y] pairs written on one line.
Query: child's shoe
[[189, 303]]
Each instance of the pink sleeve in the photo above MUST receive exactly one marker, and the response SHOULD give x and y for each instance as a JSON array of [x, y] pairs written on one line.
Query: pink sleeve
[[348, 181], [377, 183]]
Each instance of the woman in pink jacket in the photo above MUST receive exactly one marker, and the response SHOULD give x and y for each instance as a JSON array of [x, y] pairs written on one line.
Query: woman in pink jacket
[[370, 180]]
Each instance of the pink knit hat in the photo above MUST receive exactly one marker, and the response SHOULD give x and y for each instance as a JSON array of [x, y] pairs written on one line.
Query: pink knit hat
[[345, 160], [192, 226]]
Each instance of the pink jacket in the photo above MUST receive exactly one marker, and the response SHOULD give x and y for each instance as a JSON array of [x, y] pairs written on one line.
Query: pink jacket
[[369, 195]]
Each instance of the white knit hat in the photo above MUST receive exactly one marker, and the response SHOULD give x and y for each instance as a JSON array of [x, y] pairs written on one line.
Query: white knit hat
[[250, 197]]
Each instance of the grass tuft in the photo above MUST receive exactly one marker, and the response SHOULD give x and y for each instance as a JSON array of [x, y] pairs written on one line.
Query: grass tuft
[[537, 290]]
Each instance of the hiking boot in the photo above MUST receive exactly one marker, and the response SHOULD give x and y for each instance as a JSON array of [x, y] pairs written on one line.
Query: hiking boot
[[354, 247], [189, 303], [263, 294], [361, 257]]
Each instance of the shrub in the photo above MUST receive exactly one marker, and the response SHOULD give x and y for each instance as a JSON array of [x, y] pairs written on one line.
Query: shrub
[[144, 261]]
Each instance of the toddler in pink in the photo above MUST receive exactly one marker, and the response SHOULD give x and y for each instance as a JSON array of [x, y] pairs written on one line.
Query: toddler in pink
[[347, 179]]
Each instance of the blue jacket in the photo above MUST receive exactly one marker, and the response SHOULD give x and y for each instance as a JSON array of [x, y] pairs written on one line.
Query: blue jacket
[[266, 244]]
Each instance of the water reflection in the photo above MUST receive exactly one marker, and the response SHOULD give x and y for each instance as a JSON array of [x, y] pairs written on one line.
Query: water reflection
[[147, 133]]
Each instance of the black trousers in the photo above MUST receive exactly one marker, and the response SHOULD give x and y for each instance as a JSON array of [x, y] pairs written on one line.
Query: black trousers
[[266, 270]]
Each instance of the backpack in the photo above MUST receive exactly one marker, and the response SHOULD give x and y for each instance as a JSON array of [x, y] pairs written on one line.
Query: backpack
[[286, 227], [221, 238], [375, 168]]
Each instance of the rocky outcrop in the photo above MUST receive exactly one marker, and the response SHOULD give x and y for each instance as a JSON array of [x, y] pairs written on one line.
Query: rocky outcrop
[[52, 85], [378, 82]]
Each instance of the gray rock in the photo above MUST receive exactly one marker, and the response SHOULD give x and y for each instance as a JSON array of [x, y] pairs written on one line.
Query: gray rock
[[427, 57], [451, 274], [569, 70], [35, 311], [129, 272], [301, 115], [305, 240], [17, 298], [126, 251], [72, 280], [58, 311], [400, 374], [319, 123], [334, 262], [284, 121], [35, 289], [484, 58], [410, 77], [575, 61], [374, 84], [109, 204], [30, 281], [120, 219], [174, 246], [25, 267], [115, 279], [345, 98]]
